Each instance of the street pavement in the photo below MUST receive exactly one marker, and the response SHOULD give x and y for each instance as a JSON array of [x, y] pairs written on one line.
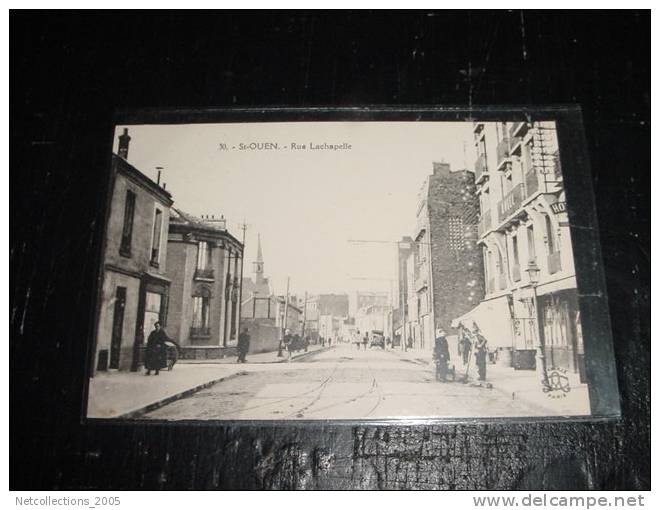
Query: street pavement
[[341, 383]]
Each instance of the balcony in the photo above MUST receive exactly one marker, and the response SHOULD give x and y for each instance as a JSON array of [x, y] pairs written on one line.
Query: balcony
[[515, 272], [503, 153], [480, 169], [554, 262], [484, 224], [200, 332], [518, 129], [511, 201], [204, 274]]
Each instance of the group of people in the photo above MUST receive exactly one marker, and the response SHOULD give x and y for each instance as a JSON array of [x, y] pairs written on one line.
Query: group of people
[[468, 343]]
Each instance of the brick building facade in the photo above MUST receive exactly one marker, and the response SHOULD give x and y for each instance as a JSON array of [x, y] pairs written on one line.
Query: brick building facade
[[445, 268]]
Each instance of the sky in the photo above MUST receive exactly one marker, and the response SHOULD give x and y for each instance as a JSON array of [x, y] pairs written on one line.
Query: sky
[[308, 206]]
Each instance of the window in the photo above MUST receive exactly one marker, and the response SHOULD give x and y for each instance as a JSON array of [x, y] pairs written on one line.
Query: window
[[456, 234], [127, 230], [531, 248], [514, 249], [155, 239], [200, 319], [548, 229], [204, 255], [152, 310]]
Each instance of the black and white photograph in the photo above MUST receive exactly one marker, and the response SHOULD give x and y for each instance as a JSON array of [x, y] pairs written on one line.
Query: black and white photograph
[[338, 271]]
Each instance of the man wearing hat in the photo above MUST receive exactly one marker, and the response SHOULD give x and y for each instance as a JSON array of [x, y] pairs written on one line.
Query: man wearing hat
[[441, 355]]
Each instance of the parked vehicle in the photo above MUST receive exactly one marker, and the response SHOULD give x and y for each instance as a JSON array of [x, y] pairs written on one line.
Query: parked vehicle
[[377, 339]]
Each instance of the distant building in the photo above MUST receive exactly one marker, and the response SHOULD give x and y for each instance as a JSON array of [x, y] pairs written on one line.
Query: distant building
[[263, 313], [205, 268], [333, 305], [259, 286], [135, 288], [444, 271], [365, 298], [264, 318]]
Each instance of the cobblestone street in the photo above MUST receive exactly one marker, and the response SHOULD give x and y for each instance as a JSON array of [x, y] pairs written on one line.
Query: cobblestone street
[[341, 383]]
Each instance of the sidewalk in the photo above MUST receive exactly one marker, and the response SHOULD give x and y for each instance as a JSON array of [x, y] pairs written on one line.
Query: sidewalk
[[129, 394], [262, 357], [521, 385]]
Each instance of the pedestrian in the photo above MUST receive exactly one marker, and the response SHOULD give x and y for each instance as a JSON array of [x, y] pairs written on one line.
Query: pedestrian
[[155, 356], [441, 355], [287, 342], [365, 341], [322, 341], [464, 343], [480, 352], [329, 341], [356, 339], [243, 345]]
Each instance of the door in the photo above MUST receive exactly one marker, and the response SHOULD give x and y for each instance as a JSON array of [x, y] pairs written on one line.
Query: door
[[117, 327]]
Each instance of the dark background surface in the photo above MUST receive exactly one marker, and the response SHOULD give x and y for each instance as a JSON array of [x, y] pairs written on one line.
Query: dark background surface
[[70, 71]]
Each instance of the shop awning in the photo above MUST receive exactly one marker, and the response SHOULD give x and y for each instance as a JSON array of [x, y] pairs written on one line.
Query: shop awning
[[494, 320]]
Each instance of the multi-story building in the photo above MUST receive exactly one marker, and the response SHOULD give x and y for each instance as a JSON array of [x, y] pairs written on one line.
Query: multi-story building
[[263, 312], [524, 226], [204, 268], [333, 305], [368, 298], [135, 288], [444, 270]]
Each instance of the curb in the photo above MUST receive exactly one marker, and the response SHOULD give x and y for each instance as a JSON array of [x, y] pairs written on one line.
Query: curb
[[136, 413]]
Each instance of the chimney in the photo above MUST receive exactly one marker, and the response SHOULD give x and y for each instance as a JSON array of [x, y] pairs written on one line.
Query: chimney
[[441, 169], [123, 144]]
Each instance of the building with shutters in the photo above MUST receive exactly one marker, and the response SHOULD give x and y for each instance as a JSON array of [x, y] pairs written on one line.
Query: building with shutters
[[524, 225], [134, 282]]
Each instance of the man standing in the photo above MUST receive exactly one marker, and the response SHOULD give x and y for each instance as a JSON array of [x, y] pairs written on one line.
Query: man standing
[[481, 352], [243, 345], [155, 356], [441, 355], [464, 344]]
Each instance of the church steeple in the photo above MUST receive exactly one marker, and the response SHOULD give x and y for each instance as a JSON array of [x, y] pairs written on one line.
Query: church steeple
[[259, 263]]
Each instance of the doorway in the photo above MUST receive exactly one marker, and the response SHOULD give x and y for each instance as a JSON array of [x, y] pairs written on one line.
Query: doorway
[[117, 327]]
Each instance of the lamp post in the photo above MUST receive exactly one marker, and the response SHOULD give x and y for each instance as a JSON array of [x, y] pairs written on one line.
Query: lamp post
[[533, 271]]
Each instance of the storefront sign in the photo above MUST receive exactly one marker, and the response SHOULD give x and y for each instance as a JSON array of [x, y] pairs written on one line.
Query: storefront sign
[[558, 207]]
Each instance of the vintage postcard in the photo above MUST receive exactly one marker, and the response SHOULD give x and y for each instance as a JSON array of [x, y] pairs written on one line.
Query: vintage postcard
[[338, 270]]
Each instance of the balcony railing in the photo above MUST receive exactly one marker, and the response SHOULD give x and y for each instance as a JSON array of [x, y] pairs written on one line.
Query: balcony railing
[[484, 223], [515, 272], [204, 273], [554, 262], [511, 201], [518, 129], [200, 332], [502, 152], [480, 169]]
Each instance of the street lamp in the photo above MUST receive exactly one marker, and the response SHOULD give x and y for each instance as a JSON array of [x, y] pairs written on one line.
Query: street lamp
[[533, 272]]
